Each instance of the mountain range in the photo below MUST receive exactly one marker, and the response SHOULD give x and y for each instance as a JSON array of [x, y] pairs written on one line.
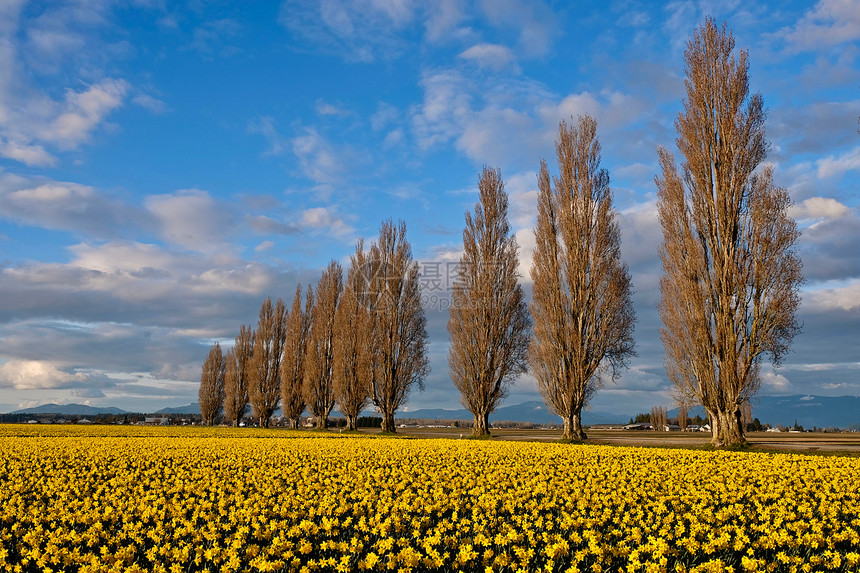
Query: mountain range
[[535, 412], [70, 410], [807, 410], [84, 410]]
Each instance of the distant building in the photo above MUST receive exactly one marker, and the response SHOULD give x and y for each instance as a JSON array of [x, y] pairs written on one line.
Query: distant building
[[161, 421]]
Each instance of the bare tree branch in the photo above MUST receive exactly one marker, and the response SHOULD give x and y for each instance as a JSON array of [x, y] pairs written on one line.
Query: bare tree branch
[[319, 360], [293, 362], [399, 327], [353, 342], [211, 394], [489, 324], [583, 315], [731, 275], [237, 376], [264, 391]]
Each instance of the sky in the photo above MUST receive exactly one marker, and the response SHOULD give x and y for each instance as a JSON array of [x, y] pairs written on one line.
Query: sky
[[164, 167]]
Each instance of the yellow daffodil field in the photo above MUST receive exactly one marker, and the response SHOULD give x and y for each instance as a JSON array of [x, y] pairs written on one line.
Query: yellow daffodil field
[[181, 499]]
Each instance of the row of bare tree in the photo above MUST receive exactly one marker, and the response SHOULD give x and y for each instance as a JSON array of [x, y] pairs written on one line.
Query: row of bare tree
[[352, 344], [729, 289]]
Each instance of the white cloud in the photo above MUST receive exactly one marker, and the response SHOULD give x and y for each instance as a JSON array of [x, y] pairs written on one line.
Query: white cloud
[[358, 31], [55, 41], [836, 166], [829, 239], [398, 11], [818, 208], [828, 23], [641, 236], [31, 120], [119, 258], [248, 279], [526, 241], [522, 191], [572, 105], [52, 192], [370, 30], [326, 219], [138, 272], [532, 20], [443, 17], [824, 367], [385, 115], [321, 160], [193, 219], [36, 374], [32, 155], [83, 111], [325, 108], [493, 56], [269, 226], [841, 298], [393, 138], [609, 108], [446, 107], [774, 382], [59, 33], [149, 103], [511, 122], [67, 206]]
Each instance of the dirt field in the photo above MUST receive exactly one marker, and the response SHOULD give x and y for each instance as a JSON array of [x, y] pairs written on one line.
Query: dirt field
[[848, 442]]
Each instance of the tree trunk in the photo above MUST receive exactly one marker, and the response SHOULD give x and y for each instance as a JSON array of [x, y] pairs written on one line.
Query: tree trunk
[[321, 422], [388, 422], [482, 425], [293, 424], [350, 423], [264, 422], [573, 427], [727, 429]]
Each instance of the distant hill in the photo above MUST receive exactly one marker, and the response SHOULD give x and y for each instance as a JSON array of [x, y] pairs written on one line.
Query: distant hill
[[192, 408], [70, 410], [809, 411], [535, 412]]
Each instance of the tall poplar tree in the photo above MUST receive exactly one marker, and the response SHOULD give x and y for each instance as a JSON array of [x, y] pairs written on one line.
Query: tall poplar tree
[[293, 362], [353, 343], [237, 376], [582, 312], [489, 322], [264, 390], [399, 324], [211, 394], [319, 360], [731, 274]]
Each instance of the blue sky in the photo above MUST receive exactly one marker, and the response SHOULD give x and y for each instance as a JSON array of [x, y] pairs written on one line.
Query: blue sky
[[164, 167]]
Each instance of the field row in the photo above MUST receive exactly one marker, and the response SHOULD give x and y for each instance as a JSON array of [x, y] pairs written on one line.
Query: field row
[[254, 503]]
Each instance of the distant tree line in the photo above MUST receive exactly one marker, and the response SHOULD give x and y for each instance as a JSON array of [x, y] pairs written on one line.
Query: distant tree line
[[729, 290]]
